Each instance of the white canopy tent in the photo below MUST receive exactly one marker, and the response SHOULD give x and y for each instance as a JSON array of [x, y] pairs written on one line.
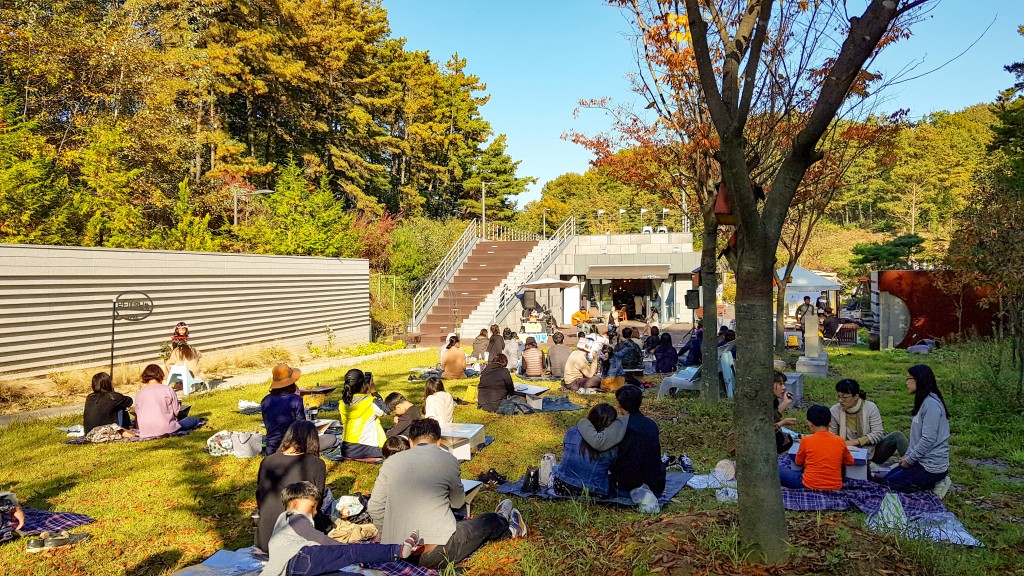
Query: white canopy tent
[[802, 283]]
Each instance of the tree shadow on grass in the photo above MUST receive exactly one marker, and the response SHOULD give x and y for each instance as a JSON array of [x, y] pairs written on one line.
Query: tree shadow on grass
[[155, 564]]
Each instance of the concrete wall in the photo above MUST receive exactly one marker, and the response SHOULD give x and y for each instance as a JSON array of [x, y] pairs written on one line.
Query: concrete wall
[[55, 303]]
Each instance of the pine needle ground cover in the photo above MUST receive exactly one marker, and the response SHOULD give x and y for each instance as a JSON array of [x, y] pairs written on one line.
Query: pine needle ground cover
[[165, 504]]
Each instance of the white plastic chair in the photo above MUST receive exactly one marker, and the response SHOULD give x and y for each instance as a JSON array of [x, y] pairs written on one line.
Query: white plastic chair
[[180, 373]]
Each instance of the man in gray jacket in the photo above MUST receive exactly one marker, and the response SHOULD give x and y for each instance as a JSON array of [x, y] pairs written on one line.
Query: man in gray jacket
[[419, 488]]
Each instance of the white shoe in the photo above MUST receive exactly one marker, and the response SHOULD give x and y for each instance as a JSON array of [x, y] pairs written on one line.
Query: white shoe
[[942, 488]]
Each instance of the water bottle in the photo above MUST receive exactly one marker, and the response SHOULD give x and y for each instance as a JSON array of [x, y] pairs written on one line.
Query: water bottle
[[547, 464], [686, 463]]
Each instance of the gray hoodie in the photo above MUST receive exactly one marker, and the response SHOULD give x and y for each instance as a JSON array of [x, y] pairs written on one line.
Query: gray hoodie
[[929, 437]]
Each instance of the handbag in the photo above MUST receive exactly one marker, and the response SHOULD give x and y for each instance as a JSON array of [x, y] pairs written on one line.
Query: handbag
[[219, 444], [531, 481], [246, 444]]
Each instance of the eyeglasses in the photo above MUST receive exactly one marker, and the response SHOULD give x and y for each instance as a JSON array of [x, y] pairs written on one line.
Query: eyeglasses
[[844, 396]]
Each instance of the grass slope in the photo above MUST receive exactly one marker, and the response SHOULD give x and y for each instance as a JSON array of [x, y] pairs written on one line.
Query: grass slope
[[165, 504]]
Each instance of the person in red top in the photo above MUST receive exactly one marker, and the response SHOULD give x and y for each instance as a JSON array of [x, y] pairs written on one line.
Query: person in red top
[[821, 456]]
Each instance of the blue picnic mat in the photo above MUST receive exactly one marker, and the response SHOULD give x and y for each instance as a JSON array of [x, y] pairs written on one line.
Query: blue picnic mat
[[559, 403], [674, 482]]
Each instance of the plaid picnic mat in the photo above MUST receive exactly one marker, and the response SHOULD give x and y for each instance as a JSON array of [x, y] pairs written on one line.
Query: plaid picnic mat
[[37, 521], [674, 482], [83, 440], [861, 494], [402, 569]]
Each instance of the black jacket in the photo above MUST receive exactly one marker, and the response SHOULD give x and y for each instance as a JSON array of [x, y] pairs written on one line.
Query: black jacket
[[639, 459]]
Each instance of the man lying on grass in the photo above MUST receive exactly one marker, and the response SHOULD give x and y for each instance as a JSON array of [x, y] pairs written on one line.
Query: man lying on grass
[[417, 489], [298, 549]]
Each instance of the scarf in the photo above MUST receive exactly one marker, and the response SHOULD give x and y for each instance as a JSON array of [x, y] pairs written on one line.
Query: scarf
[[854, 421]]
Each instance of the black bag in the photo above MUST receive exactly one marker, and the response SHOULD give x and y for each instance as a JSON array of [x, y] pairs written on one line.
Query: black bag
[[513, 405], [531, 481]]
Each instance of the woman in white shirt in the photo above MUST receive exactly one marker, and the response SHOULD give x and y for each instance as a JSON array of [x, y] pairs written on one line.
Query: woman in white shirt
[[437, 403]]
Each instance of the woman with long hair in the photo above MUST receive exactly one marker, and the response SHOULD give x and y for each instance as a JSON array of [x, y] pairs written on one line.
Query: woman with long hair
[[532, 364], [437, 403], [361, 410], [584, 466], [665, 356], [926, 462], [480, 344], [495, 384], [182, 354], [858, 421], [495, 344], [104, 406], [296, 459]]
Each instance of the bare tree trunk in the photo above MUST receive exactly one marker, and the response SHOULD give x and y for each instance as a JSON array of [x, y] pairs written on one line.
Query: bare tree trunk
[[709, 291], [757, 467]]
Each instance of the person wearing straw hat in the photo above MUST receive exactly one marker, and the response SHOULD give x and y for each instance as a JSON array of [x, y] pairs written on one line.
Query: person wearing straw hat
[[282, 406]]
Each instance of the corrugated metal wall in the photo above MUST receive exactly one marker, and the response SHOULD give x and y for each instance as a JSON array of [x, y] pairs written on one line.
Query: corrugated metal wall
[[55, 303]]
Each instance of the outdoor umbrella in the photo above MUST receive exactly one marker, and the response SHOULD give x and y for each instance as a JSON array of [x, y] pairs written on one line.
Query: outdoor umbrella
[[547, 284]]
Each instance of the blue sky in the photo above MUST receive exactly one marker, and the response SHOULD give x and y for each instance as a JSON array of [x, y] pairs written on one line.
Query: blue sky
[[539, 58]]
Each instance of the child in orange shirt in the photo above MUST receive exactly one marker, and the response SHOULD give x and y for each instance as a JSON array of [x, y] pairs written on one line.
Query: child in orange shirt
[[821, 455]]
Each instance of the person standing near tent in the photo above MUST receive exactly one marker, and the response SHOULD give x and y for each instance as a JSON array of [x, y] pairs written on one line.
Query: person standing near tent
[[803, 310]]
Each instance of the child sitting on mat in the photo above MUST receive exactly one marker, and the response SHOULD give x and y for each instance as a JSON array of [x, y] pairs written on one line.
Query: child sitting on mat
[[405, 413], [298, 549], [820, 458]]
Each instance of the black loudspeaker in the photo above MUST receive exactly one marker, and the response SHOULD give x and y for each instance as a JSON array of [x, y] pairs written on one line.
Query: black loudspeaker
[[529, 299], [693, 299]]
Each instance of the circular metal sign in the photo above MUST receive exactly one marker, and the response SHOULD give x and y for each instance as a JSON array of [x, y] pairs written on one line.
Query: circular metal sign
[[133, 306]]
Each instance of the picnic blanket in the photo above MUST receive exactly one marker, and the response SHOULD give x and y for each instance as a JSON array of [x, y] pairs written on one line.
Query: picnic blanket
[[674, 482], [559, 403], [85, 439], [334, 454], [37, 521], [246, 562]]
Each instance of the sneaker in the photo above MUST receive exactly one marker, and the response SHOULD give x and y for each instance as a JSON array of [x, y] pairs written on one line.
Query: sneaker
[[942, 488], [586, 391], [504, 509], [516, 524]]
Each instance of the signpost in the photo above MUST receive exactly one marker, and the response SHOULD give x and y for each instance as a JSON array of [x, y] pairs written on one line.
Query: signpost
[[132, 306]]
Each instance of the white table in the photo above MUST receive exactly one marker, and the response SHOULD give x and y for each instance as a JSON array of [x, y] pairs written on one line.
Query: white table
[[462, 439], [859, 470], [533, 394]]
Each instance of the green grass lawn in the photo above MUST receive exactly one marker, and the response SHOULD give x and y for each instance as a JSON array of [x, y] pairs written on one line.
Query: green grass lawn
[[165, 504]]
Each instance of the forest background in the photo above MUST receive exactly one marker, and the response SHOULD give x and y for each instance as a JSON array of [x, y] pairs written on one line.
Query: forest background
[[137, 124]]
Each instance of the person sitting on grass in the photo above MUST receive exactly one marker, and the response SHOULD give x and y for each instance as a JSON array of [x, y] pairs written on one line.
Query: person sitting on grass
[[495, 384], [12, 515], [926, 462], [532, 365], [639, 453], [360, 411], [298, 549], [558, 353], [628, 352], [283, 406], [857, 420], [652, 340], [437, 403], [104, 406], [820, 458], [782, 401], [394, 445], [296, 459], [480, 345], [405, 413], [581, 368], [453, 361], [665, 357], [417, 490], [584, 466], [495, 344], [157, 407], [513, 350]]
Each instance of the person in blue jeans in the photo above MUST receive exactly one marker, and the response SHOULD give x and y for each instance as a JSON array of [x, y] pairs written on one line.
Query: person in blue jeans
[[584, 466], [926, 462], [298, 549]]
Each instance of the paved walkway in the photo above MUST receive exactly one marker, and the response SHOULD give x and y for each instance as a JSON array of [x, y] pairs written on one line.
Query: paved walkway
[[220, 384]]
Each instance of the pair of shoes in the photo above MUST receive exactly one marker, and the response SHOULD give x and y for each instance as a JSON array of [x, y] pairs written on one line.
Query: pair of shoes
[[586, 391], [668, 460], [516, 524], [49, 541], [492, 478]]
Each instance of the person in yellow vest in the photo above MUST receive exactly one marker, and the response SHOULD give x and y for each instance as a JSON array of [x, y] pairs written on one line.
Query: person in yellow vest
[[360, 411]]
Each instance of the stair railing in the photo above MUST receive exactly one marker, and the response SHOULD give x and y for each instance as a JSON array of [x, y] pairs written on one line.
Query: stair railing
[[424, 299], [555, 244], [501, 232]]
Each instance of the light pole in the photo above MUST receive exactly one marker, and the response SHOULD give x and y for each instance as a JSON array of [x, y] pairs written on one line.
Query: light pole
[[544, 215], [685, 222], [235, 195], [664, 211], [599, 212], [483, 206], [621, 212], [642, 210]]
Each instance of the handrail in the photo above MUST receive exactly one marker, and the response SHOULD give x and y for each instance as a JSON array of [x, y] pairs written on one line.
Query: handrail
[[500, 232], [556, 242], [435, 284]]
